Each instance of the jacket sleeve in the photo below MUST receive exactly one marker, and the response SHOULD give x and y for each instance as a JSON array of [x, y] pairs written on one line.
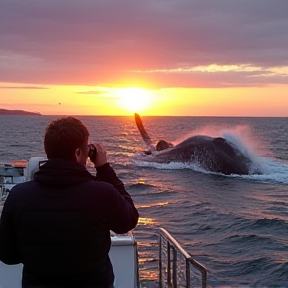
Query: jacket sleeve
[[8, 240], [123, 214], [107, 174]]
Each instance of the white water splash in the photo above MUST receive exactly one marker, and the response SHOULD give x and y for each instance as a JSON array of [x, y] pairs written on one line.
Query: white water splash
[[271, 170]]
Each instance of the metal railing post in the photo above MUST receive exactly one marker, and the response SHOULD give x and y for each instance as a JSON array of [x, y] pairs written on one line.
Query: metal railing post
[[174, 267], [160, 262], [188, 280], [168, 265]]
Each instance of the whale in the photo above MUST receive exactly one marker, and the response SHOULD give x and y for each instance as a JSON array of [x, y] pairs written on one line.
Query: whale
[[215, 154]]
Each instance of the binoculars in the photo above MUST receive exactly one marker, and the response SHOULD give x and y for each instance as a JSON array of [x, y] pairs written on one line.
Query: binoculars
[[92, 152]]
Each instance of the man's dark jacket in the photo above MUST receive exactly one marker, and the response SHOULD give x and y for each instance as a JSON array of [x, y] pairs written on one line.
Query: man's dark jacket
[[58, 225]]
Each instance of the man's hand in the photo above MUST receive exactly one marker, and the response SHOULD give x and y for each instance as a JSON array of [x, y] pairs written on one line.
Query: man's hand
[[101, 157]]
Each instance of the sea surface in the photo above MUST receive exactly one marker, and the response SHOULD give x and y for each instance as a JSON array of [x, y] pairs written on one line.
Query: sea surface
[[237, 226]]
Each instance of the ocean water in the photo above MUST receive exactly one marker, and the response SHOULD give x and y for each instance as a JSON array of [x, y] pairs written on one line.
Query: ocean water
[[237, 226]]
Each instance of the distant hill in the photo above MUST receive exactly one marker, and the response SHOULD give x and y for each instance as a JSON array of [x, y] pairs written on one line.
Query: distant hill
[[17, 112]]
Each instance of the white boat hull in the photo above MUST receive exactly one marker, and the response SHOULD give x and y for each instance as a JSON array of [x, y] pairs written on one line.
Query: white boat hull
[[123, 255]]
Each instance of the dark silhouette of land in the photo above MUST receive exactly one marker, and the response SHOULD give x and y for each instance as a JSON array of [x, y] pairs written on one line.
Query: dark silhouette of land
[[17, 112]]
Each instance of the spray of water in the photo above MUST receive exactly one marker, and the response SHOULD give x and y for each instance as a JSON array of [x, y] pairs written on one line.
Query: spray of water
[[247, 142]]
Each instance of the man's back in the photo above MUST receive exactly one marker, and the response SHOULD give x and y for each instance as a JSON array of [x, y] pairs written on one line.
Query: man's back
[[63, 221]]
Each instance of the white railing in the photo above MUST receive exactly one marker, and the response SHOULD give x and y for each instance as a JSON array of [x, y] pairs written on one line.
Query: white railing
[[176, 267], [3, 194]]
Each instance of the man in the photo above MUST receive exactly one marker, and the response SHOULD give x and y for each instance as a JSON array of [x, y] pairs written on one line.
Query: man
[[58, 225]]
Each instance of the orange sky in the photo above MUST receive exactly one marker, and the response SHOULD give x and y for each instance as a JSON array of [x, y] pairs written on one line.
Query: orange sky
[[155, 57], [79, 100]]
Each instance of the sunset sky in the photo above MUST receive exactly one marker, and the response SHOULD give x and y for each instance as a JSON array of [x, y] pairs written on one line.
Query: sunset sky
[[155, 57]]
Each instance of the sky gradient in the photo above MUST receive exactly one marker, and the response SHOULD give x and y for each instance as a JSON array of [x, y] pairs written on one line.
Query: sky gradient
[[190, 57]]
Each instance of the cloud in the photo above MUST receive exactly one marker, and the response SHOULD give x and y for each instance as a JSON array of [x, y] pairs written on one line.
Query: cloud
[[117, 42], [91, 92], [24, 87], [99, 94]]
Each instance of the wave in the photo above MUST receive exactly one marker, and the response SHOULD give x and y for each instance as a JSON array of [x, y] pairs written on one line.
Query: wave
[[273, 170], [140, 185]]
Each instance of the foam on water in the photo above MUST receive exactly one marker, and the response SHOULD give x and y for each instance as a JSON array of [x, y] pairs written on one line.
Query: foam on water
[[274, 171], [271, 169]]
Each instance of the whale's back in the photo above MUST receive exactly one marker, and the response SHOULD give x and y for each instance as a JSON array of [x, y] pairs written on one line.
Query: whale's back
[[214, 154]]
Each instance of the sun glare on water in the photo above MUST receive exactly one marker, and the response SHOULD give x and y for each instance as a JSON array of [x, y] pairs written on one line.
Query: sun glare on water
[[134, 99]]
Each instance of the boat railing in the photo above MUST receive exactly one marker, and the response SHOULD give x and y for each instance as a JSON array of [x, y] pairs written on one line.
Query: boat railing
[[3, 194], [177, 268]]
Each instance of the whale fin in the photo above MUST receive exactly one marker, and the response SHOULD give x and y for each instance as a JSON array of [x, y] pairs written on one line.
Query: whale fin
[[146, 138]]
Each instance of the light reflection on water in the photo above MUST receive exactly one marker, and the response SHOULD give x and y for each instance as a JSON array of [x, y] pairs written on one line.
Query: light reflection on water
[[147, 221], [152, 205]]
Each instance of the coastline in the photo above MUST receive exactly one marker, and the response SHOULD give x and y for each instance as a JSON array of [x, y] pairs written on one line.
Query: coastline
[[18, 112]]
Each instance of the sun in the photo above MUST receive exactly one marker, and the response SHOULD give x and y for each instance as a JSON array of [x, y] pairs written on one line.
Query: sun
[[134, 99]]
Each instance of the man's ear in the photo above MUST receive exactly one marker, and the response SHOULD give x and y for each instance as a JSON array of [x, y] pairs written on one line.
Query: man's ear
[[77, 152]]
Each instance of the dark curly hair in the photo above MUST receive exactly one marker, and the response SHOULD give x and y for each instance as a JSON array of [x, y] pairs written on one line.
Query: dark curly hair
[[63, 136]]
